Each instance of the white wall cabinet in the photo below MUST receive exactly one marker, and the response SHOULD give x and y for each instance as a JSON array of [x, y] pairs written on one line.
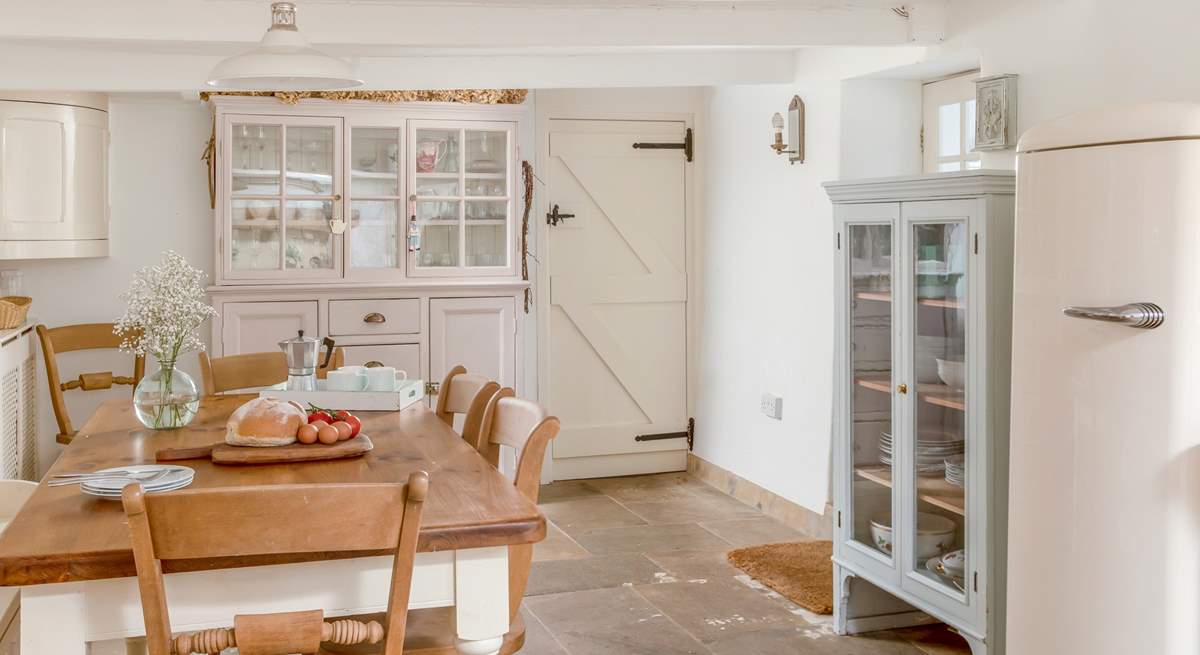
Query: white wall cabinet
[[923, 311], [53, 180]]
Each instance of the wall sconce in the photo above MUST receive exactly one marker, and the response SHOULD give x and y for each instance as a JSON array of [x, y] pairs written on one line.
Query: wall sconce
[[795, 128]]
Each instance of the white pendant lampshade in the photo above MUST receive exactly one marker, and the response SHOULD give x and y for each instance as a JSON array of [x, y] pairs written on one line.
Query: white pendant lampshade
[[283, 61]]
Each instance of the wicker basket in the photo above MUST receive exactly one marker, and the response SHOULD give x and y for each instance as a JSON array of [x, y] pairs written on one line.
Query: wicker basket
[[13, 310]]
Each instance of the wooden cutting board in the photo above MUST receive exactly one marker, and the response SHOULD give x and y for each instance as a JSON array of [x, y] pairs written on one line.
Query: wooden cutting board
[[223, 453]]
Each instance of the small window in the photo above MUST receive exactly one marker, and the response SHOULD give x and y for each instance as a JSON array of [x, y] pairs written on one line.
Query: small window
[[948, 108]]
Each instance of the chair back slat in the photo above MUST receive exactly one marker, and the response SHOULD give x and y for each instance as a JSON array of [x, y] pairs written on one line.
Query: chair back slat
[[253, 370], [267, 520], [72, 338], [467, 394], [245, 521]]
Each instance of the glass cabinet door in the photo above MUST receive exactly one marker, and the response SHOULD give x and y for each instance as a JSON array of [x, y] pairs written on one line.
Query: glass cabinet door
[[284, 191], [462, 200], [376, 204], [871, 434], [938, 446]]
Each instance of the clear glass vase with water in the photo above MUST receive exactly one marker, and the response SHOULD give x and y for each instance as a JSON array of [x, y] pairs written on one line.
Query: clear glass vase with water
[[166, 399]]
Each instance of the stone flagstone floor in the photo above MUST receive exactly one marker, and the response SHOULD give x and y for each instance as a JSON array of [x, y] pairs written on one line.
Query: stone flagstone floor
[[637, 566]]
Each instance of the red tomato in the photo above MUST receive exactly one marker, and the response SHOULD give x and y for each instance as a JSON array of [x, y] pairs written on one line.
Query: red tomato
[[321, 415], [355, 423]]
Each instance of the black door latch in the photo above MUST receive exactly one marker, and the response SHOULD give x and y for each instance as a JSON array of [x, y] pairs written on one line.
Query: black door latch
[[554, 217]]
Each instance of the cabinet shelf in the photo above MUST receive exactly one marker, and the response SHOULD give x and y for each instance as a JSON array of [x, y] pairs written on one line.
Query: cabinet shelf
[[935, 491], [883, 296], [934, 394]]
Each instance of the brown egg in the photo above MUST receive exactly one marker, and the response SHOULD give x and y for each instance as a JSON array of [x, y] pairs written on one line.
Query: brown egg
[[307, 434], [327, 434], [344, 430]]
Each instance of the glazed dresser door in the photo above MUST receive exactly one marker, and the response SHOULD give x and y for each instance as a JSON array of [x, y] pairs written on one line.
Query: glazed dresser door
[[939, 462], [864, 453]]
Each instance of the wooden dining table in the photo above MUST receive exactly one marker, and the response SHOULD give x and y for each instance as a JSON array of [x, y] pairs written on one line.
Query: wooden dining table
[[70, 553]]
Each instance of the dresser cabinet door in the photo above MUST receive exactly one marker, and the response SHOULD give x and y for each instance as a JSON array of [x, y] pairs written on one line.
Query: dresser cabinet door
[[252, 327], [479, 333]]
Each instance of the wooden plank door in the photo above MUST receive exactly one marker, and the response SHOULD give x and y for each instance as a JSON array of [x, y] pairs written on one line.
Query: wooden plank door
[[617, 343]]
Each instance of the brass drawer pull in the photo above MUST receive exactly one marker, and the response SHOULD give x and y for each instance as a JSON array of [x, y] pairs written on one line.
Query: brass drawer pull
[[374, 363], [374, 317]]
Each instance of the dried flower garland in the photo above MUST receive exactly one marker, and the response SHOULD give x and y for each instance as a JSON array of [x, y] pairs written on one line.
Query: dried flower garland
[[476, 96]]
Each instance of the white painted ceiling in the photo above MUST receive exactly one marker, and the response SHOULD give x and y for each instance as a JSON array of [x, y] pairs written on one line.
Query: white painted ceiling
[[158, 45]]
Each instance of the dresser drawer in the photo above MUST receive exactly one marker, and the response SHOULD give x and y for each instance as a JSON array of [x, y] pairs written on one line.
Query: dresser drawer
[[405, 356], [374, 316]]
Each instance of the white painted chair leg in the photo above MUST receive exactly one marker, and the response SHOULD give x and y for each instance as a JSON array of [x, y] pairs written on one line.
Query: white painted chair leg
[[53, 619]]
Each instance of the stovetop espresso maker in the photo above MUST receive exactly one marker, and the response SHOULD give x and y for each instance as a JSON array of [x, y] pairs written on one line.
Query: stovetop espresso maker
[[301, 353]]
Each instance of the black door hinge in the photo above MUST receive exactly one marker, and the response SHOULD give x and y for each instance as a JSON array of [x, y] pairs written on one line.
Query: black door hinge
[[688, 434], [687, 145]]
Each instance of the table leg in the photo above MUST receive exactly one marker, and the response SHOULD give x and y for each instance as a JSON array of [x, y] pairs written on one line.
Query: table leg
[[481, 599], [53, 619]]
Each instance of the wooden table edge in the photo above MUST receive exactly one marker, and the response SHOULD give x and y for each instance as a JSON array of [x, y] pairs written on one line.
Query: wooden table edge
[[119, 564]]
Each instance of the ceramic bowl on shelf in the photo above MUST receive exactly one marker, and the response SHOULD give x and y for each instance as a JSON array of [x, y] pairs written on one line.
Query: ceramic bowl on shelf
[[881, 531], [935, 535], [953, 373]]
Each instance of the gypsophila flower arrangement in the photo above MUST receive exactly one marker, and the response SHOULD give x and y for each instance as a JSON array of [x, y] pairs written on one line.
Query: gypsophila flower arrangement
[[165, 309]]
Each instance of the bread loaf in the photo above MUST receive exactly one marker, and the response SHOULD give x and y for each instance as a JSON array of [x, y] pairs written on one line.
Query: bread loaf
[[264, 422]]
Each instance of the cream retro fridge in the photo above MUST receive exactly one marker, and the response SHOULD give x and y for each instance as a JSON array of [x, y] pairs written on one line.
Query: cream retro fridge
[[1104, 500]]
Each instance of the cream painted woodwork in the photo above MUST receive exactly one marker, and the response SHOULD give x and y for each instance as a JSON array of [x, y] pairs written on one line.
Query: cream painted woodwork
[[616, 330], [18, 404], [253, 327], [53, 180], [403, 356], [924, 277], [479, 333], [290, 177], [377, 299]]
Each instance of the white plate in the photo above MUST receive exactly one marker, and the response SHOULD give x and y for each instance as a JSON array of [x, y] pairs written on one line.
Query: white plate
[[117, 495], [932, 565], [175, 475]]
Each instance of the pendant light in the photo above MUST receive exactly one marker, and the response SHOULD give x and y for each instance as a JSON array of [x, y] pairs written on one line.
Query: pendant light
[[283, 61]]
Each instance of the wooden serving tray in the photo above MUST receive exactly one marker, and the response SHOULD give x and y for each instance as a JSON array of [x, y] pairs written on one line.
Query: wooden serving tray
[[223, 453]]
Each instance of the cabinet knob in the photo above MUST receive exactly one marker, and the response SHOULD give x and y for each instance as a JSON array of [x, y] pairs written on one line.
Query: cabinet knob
[[902, 388], [374, 317], [374, 363]]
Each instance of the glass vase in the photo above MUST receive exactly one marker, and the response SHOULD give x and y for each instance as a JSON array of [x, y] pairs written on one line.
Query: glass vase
[[166, 398]]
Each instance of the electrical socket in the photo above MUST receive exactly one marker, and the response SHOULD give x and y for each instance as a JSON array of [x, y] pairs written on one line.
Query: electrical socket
[[772, 406]]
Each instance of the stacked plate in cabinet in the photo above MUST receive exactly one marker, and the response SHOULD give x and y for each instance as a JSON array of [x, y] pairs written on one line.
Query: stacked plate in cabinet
[[956, 473], [933, 447]]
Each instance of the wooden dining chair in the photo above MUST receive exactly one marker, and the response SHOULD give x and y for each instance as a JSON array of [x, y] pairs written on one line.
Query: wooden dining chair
[[253, 370], [467, 394], [275, 520], [507, 423], [70, 338]]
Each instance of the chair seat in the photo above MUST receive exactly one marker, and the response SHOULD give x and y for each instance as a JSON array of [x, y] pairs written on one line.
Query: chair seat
[[429, 632]]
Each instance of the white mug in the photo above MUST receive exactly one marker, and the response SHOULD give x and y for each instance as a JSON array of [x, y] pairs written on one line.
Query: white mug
[[354, 368], [343, 380], [383, 378]]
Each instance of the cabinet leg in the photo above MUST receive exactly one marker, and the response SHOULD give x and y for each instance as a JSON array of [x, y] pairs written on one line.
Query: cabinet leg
[[841, 598], [978, 646]]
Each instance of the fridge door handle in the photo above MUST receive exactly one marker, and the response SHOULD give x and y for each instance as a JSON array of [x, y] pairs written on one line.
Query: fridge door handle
[[1143, 315]]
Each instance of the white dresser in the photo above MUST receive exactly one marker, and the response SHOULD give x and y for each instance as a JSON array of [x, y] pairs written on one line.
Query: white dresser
[[316, 204]]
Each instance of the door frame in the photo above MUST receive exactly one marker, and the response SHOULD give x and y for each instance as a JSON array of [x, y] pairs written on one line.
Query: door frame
[[540, 248]]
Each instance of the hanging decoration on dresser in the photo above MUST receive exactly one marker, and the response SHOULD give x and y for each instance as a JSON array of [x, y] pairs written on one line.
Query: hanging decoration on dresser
[[210, 160], [527, 176], [476, 96]]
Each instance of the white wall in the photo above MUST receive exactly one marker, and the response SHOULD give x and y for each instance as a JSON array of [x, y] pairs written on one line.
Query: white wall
[[767, 299], [880, 128], [159, 200]]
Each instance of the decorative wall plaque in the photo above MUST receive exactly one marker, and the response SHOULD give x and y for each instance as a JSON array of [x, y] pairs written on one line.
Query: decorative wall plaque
[[996, 112]]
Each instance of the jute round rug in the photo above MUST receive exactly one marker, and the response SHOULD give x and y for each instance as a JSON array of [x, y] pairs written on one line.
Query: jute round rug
[[801, 571]]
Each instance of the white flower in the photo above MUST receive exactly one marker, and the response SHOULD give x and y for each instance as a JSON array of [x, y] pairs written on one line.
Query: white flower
[[165, 310]]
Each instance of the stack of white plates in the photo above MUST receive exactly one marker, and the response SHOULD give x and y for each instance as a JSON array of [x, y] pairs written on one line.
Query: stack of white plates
[[956, 473], [174, 477], [933, 448]]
